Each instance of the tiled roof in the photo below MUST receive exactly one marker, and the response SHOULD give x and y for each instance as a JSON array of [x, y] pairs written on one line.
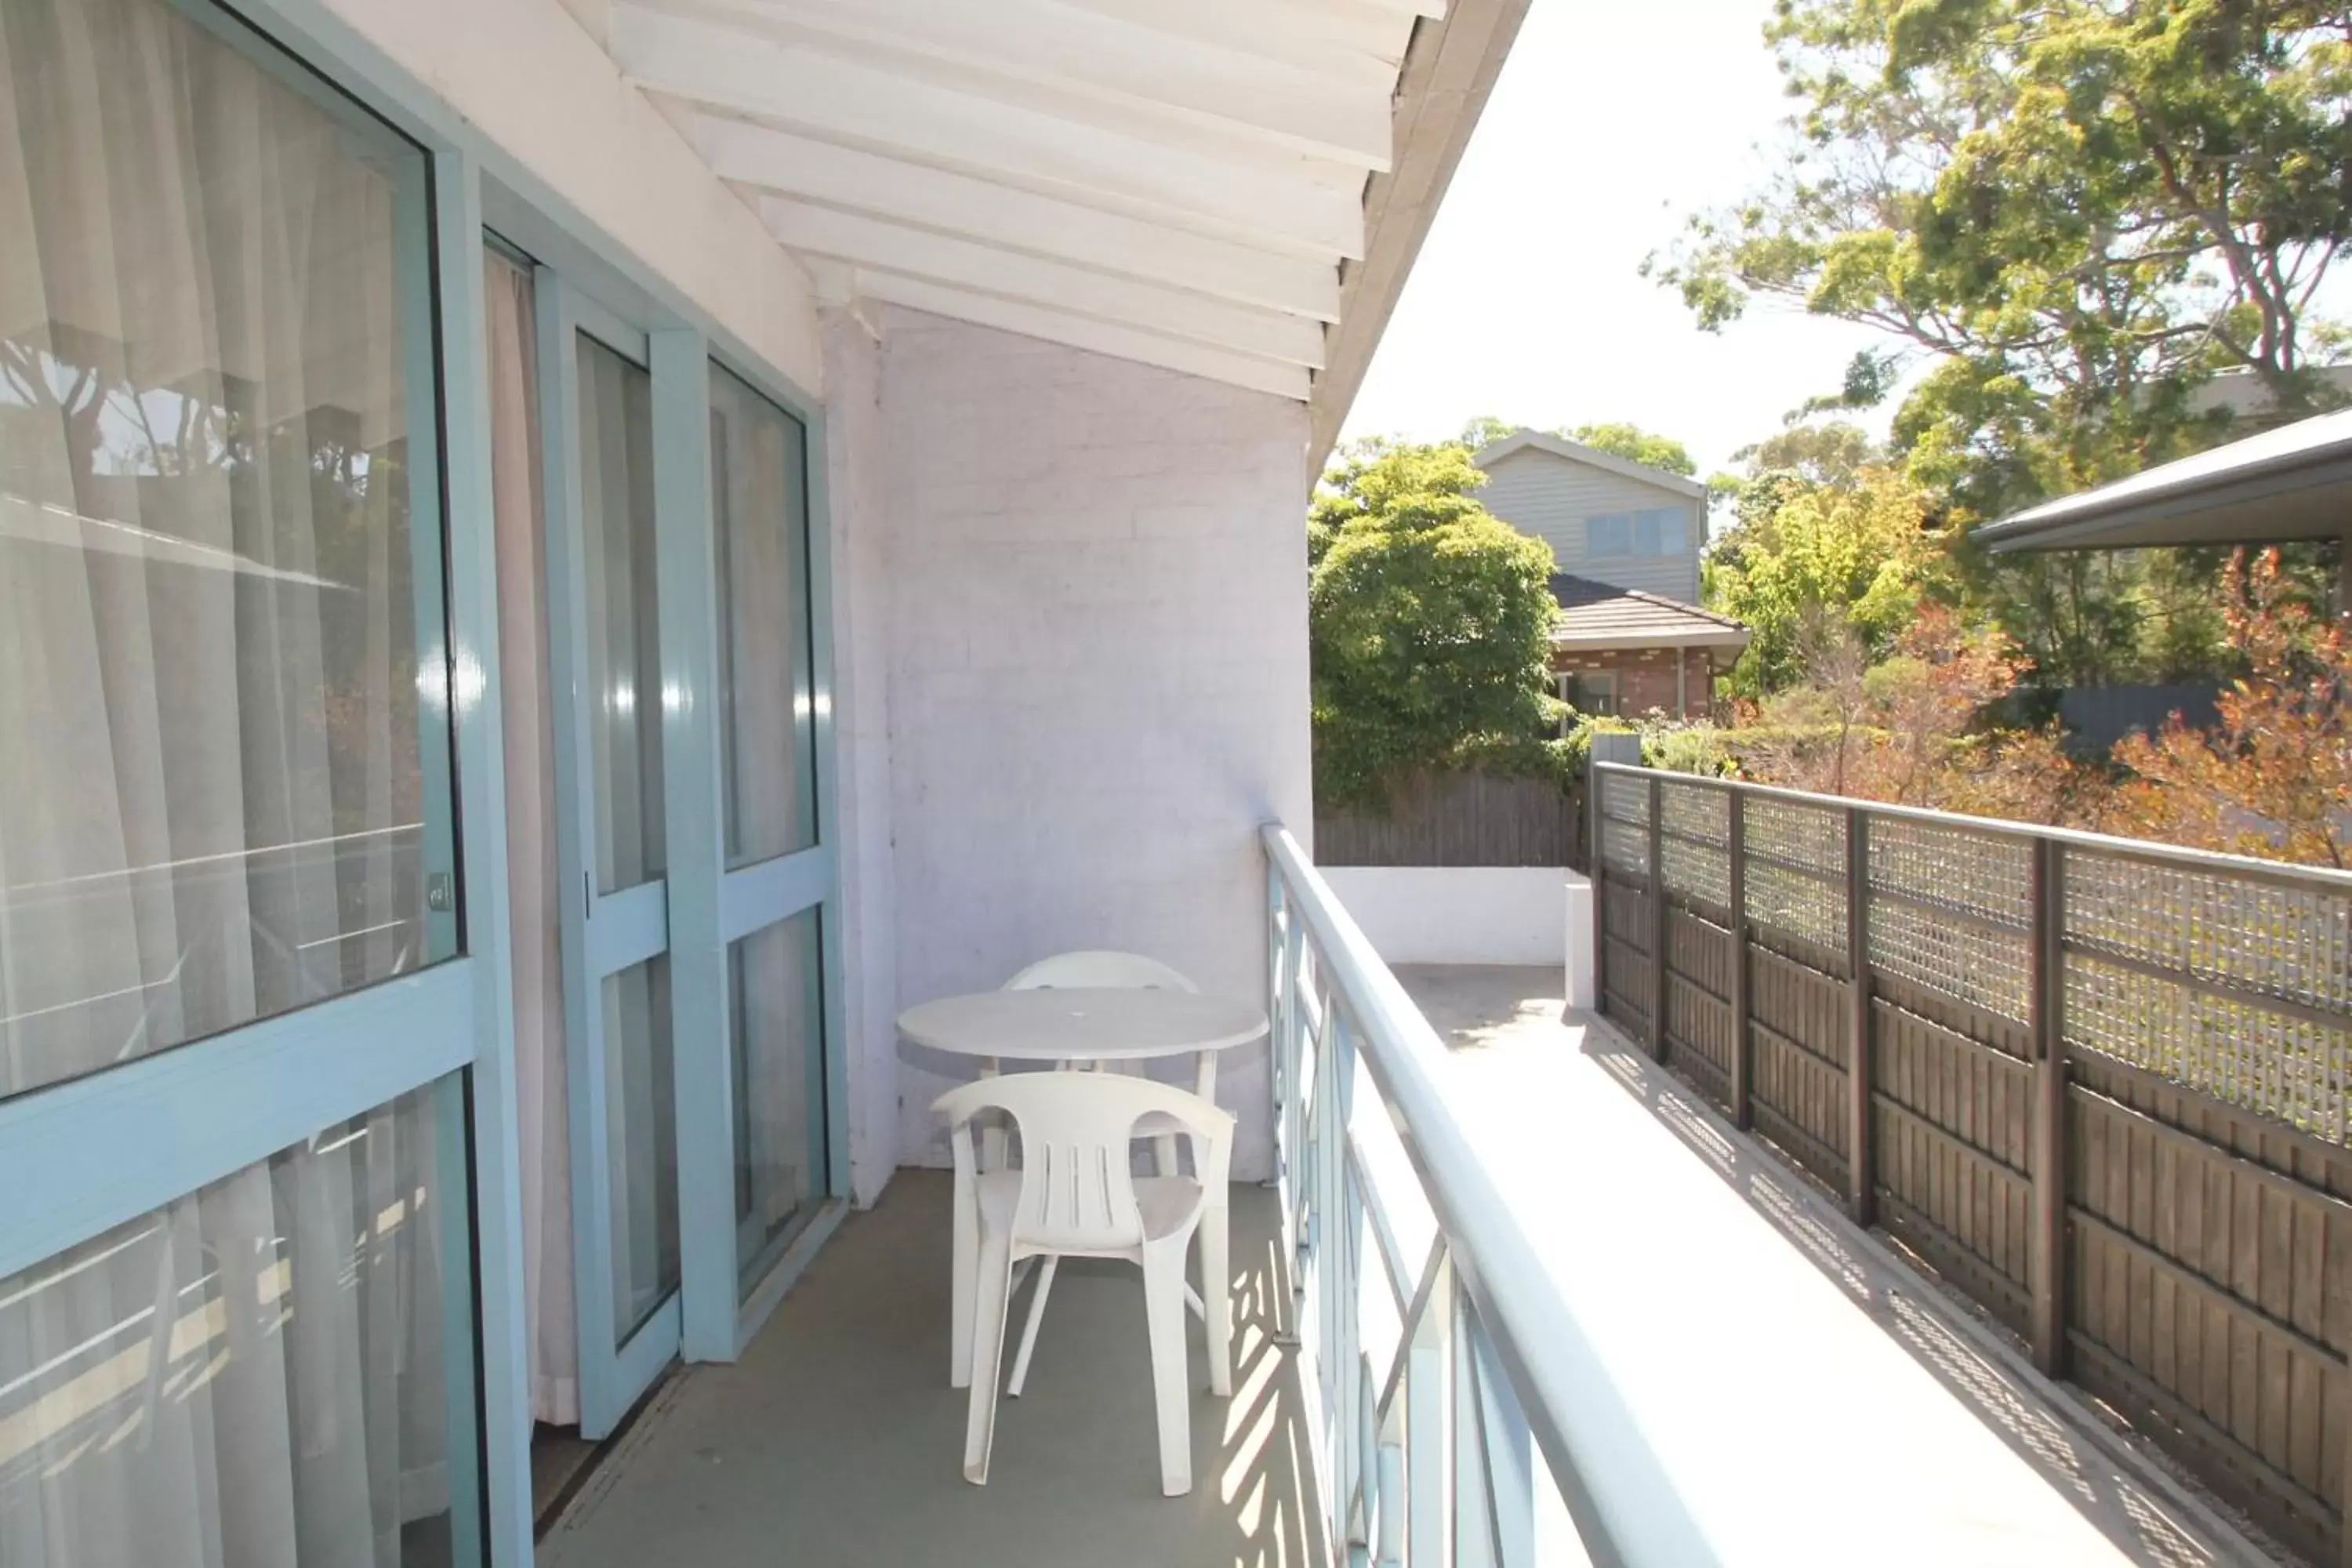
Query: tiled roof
[[1594, 612]]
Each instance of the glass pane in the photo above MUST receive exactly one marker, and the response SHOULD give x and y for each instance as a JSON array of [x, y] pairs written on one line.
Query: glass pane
[[776, 1035], [641, 1143], [223, 755], [768, 735], [616, 505], [253, 1373]]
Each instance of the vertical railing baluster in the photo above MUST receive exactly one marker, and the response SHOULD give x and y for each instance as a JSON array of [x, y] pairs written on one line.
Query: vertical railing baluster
[[2047, 1263], [1511, 1459], [1861, 1195], [1427, 1467], [1474, 1496], [1657, 921], [1743, 1033], [1388, 1549], [1596, 879]]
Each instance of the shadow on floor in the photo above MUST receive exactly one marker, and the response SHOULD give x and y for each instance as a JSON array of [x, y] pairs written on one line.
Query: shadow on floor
[[1486, 1008], [2140, 1523], [836, 1440]]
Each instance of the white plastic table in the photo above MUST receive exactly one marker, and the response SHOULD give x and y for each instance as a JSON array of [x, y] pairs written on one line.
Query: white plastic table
[[1089, 1026], [1059, 1024]]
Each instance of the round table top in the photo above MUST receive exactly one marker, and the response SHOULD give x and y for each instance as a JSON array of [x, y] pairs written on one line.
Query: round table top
[[1074, 1023]]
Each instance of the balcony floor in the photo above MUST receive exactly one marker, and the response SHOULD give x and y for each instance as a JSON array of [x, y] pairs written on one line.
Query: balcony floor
[[837, 1440], [1830, 1409]]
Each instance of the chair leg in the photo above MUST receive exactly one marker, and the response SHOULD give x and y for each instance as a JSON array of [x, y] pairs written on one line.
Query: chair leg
[[1029, 1332], [988, 1356], [964, 1262], [1163, 1308], [1217, 1295]]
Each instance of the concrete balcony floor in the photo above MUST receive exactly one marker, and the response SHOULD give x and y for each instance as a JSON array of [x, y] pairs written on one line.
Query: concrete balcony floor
[[836, 1440]]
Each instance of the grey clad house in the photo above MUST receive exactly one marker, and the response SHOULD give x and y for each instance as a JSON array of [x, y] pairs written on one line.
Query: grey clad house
[[1632, 637]]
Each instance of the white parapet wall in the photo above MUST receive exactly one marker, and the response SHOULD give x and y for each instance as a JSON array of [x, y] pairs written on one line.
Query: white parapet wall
[[1475, 914]]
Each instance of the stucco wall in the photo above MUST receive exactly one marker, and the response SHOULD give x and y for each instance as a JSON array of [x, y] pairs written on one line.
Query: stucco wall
[[530, 76], [1461, 914], [1093, 575], [1550, 496], [860, 815]]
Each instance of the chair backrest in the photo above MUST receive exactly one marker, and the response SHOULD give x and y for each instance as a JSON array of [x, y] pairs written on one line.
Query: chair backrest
[[1078, 1129], [1103, 970]]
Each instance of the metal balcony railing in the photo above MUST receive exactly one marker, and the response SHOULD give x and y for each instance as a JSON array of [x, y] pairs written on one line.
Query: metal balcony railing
[[1459, 1414]]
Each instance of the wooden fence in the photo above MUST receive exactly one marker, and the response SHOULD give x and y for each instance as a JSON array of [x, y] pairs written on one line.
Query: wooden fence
[[2100, 1087], [1461, 819]]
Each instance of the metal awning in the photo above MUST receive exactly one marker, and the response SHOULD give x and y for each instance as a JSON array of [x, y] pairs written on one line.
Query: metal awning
[[2290, 483]]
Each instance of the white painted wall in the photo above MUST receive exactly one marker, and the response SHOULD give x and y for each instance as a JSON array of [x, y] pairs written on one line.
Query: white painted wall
[[1091, 579], [859, 825], [1550, 496], [528, 73], [1461, 914]]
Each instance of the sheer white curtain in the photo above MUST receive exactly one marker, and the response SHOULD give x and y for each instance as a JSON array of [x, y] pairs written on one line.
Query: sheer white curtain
[[207, 676], [211, 768], [249, 1378], [530, 743]]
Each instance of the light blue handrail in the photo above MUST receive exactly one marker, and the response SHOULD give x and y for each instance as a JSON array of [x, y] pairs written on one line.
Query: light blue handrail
[[1487, 1336]]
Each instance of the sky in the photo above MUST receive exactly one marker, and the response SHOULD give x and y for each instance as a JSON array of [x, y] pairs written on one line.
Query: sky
[[1610, 122]]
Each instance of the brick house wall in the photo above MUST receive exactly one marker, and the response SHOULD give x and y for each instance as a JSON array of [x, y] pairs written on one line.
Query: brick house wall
[[1645, 677]]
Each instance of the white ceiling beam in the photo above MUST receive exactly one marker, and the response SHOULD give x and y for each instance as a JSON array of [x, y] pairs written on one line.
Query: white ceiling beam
[[986, 269], [924, 197], [1361, 44], [845, 100], [1097, 57], [1083, 333]]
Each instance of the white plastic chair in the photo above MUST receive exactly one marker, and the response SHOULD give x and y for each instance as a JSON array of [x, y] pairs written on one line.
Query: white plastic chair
[[1101, 969], [1073, 1195], [1108, 970]]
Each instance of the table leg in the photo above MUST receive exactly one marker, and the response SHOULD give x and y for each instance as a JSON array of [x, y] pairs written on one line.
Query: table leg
[[991, 1137], [1216, 1283]]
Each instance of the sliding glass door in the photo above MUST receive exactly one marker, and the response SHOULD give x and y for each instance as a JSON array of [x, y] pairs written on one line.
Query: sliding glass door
[[605, 657], [236, 1304], [775, 874]]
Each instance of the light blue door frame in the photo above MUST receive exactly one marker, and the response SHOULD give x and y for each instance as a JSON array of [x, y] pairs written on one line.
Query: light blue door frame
[[605, 933], [91, 1154]]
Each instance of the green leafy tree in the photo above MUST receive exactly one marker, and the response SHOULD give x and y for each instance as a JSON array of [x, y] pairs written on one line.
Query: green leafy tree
[[2068, 214], [2074, 206], [1485, 431], [1833, 452], [1429, 623], [1636, 444], [1821, 574]]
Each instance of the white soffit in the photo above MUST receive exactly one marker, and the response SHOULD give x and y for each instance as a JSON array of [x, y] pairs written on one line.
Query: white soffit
[[1177, 182]]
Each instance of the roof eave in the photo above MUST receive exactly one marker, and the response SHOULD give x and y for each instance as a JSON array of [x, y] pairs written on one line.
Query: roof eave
[[2300, 495], [1449, 70], [1727, 637], [1593, 457]]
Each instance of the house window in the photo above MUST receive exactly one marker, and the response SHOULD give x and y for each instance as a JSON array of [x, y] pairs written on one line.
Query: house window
[[1591, 690], [1653, 531]]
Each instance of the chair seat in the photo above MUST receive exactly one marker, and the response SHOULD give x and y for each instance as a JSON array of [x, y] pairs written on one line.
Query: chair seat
[[1167, 1202]]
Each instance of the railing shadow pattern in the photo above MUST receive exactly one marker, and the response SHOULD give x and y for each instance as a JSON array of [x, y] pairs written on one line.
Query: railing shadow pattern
[[2123, 1511], [2104, 1087]]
